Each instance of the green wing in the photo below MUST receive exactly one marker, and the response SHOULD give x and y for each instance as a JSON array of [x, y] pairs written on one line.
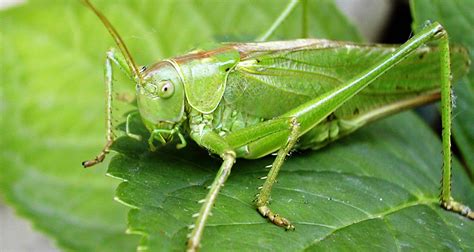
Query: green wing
[[274, 77]]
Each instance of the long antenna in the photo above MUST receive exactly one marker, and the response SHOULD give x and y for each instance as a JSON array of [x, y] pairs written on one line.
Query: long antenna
[[118, 40]]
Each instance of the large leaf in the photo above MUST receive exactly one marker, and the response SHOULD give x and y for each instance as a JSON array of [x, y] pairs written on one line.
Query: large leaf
[[51, 107], [458, 19], [52, 96], [50, 122], [377, 189]]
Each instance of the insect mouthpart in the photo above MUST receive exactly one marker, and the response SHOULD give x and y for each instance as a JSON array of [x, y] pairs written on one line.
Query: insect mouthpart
[[164, 137], [164, 132]]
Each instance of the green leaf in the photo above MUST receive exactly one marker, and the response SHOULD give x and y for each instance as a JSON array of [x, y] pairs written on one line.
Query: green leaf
[[463, 122], [458, 19], [52, 95], [52, 118], [377, 189], [51, 121]]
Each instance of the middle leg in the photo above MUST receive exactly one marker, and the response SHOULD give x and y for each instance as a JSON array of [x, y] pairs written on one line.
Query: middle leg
[[263, 198]]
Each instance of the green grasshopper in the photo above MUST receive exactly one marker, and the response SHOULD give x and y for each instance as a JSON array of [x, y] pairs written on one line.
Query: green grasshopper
[[221, 100]]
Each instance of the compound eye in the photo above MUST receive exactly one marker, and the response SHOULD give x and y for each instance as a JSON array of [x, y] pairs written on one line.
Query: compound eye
[[165, 89]]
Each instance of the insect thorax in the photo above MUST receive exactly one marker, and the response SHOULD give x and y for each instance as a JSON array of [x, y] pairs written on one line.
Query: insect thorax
[[227, 119]]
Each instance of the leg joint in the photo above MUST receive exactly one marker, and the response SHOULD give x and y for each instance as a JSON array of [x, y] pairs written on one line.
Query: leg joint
[[294, 124], [263, 210], [229, 155], [440, 32]]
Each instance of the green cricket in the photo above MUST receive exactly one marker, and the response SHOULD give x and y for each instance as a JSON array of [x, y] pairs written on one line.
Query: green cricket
[[249, 100]]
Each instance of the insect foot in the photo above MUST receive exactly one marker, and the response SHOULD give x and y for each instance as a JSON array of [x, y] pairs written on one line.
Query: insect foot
[[94, 161], [457, 207], [275, 218], [99, 158]]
